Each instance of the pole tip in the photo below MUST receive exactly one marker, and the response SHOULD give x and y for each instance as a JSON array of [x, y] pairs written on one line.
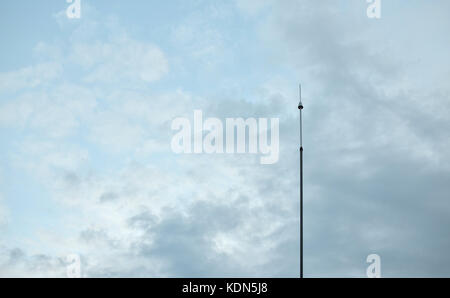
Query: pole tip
[[300, 105]]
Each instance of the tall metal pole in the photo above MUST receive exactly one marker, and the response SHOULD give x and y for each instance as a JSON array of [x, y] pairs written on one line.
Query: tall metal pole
[[300, 108]]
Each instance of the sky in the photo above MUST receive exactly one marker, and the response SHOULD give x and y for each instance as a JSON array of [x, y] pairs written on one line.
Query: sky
[[86, 165]]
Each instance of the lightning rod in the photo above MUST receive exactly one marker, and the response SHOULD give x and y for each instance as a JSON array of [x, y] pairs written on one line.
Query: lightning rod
[[300, 108]]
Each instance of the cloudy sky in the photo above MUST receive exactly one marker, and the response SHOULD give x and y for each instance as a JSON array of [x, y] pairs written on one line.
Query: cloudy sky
[[86, 167]]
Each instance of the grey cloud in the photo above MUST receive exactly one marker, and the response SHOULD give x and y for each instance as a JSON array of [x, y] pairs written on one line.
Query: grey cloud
[[185, 242], [16, 263], [108, 197], [376, 163]]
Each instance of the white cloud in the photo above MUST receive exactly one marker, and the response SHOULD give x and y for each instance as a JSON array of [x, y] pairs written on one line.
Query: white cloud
[[120, 60], [92, 150], [202, 40], [30, 77], [4, 214], [252, 7], [56, 112], [133, 204]]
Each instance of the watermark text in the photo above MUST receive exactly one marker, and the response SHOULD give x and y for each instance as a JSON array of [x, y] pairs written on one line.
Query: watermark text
[[208, 136]]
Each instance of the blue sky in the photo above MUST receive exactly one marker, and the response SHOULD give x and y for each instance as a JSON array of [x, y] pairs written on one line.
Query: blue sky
[[86, 107]]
